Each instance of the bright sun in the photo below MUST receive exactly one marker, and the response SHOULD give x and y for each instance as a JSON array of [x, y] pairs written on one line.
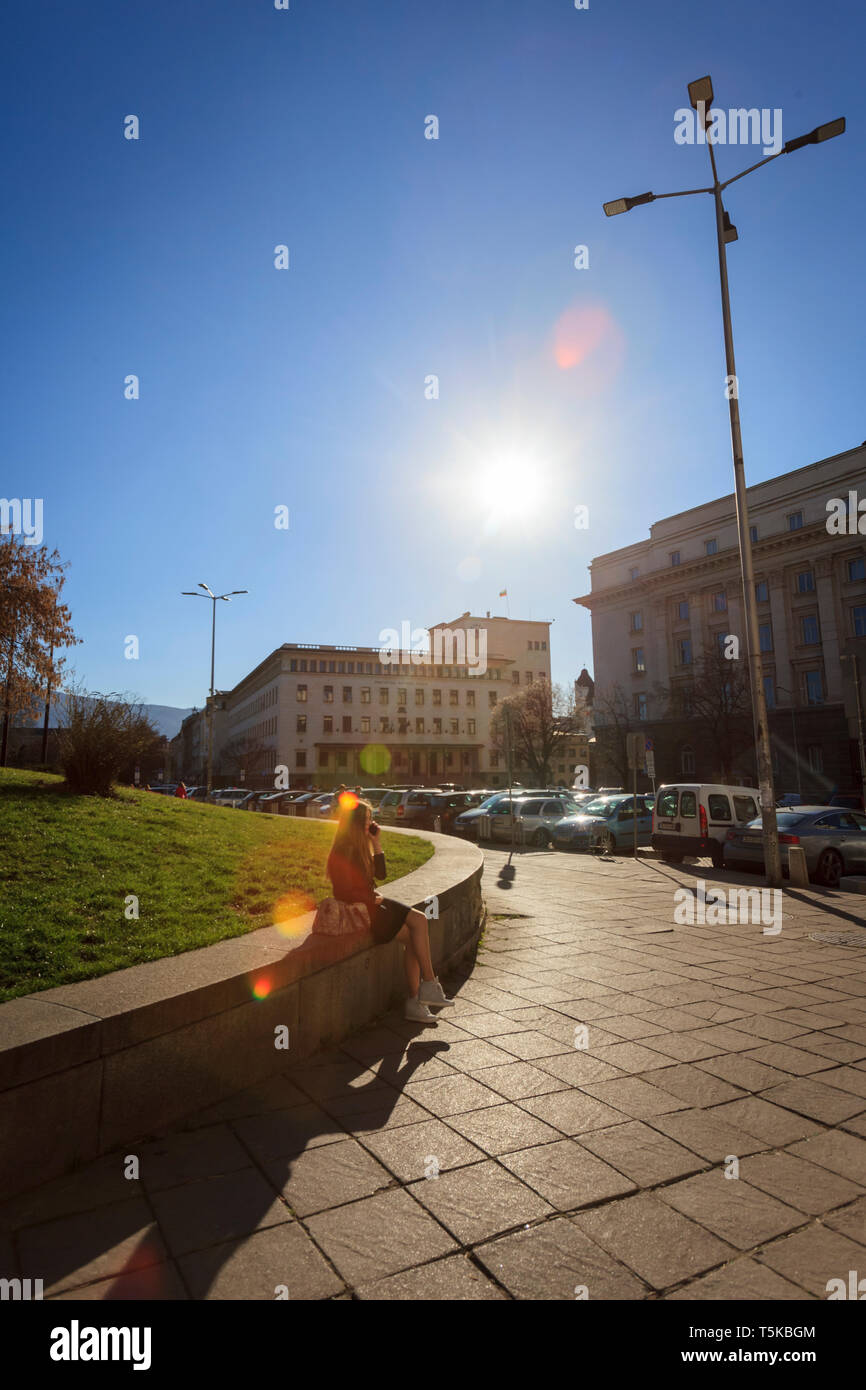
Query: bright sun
[[509, 487]]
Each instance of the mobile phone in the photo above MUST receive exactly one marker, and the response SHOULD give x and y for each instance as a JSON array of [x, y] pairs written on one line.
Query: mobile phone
[[374, 828]]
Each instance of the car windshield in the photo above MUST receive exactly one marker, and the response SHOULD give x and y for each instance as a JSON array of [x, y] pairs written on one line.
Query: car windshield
[[602, 806]]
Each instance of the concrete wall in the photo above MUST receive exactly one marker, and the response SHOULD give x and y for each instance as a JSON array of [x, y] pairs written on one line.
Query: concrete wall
[[89, 1066]]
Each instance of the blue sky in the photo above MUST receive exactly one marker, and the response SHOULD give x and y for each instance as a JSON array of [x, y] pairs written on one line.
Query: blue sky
[[408, 257]]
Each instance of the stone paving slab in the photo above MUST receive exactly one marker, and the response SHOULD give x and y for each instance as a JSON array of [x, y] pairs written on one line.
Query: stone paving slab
[[568, 1127]]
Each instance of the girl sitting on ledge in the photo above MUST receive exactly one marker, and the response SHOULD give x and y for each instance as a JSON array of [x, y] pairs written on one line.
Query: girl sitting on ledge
[[355, 863]]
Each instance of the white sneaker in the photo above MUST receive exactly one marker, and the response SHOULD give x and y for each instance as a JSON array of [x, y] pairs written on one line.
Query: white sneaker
[[431, 992], [416, 1012]]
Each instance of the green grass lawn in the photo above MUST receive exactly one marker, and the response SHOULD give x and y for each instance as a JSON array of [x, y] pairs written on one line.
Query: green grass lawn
[[201, 874]]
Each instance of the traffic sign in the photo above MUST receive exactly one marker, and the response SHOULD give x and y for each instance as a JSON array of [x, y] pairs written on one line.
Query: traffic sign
[[636, 748]]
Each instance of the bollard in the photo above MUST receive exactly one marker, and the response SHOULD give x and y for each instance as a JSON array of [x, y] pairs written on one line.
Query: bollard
[[798, 874]]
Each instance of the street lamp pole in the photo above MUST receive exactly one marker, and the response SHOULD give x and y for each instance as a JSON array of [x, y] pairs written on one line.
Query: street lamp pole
[[215, 599], [701, 96]]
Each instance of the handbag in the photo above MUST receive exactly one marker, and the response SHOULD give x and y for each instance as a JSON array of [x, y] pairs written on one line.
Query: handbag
[[334, 918]]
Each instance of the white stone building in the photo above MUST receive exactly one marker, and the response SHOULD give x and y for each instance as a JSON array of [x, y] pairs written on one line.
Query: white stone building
[[332, 714], [658, 604]]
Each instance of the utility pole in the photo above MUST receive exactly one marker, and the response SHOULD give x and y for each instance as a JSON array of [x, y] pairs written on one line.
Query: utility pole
[[701, 97], [215, 599]]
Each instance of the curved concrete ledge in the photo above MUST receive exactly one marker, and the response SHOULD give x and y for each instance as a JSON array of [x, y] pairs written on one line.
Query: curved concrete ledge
[[88, 1066]]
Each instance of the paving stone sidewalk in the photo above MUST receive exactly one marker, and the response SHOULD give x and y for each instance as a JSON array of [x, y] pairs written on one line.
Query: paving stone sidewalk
[[491, 1157]]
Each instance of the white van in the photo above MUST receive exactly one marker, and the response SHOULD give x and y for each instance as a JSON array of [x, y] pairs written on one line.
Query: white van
[[693, 818]]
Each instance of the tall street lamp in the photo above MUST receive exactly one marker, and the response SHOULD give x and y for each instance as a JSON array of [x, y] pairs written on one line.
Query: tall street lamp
[[701, 97], [215, 598]]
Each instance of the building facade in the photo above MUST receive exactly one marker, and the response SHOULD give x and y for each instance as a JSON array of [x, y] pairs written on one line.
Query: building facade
[[660, 605], [329, 714]]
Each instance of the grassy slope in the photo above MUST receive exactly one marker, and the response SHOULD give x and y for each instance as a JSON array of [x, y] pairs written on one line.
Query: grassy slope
[[201, 874]]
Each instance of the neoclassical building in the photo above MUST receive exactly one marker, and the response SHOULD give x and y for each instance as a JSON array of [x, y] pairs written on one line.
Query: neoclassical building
[[659, 604], [335, 713]]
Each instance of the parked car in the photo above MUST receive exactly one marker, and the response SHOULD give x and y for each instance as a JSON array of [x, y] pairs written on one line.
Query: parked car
[[834, 841], [272, 802], [606, 822], [163, 788], [853, 800], [467, 823], [253, 800], [791, 799], [228, 796], [373, 794], [299, 805], [394, 804], [534, 817], [196, 793], [434, 810], [694, 819]]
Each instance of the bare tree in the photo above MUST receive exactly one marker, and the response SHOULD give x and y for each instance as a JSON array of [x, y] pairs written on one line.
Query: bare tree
[[716, 708], [613, 720], [246, 753], [542, 719]]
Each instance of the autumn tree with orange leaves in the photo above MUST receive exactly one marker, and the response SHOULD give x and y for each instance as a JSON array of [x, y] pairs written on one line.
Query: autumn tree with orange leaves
[[34, 624]]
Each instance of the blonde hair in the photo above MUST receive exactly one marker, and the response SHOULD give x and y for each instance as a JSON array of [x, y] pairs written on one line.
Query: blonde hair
[[352, 842]]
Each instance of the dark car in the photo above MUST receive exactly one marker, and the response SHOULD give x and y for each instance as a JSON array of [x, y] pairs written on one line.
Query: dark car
[[435, 810], [834, 841], [252, 801]]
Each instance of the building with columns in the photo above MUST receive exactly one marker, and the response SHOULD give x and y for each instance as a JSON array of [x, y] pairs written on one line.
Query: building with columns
[[334, 713], [659, 604]]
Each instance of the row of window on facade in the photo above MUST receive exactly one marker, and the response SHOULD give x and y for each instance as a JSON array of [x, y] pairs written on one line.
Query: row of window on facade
[[402, 696], [856, 567], [814, 759], [804, 583], [808, 634], [400, 758], [386, 725], [811, 691]]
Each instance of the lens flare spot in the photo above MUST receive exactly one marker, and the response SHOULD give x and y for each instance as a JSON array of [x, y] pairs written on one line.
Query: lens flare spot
[[588, 336], [375, 759], [262, 988], [347, 802], [289, 908]]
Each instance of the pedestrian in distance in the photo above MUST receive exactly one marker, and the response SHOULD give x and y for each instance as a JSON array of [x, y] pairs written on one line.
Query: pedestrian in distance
[[180, 790], [354, 864]]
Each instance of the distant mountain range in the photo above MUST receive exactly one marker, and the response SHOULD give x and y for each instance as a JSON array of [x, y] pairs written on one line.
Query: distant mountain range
[[166, 719]]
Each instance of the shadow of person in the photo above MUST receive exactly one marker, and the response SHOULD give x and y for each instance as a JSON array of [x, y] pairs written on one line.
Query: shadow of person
[[212, 1185]]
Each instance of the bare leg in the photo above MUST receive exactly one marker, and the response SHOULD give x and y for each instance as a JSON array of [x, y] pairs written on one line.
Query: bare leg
[[412, 966], [416, 934]]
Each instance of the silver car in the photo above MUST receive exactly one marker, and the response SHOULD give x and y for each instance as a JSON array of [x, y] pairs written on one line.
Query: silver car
[[534, 818], [834, 841]]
